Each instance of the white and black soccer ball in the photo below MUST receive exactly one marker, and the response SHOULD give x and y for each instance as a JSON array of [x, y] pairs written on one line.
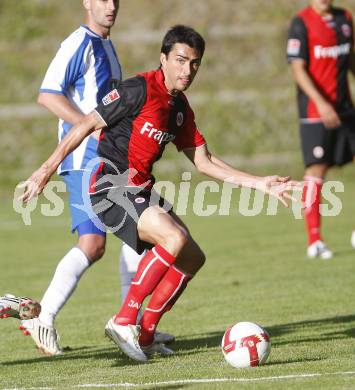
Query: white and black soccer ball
[[246, 344]]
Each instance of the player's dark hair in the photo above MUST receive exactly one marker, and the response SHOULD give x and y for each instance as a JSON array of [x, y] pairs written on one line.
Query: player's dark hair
[[182, 34]]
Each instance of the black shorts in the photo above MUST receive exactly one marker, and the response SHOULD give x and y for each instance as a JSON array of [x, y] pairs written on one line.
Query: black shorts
[[324, 146], [120, 208]]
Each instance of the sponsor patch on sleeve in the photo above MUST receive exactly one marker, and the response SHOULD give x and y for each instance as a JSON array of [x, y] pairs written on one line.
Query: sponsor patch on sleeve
[[110, 97], [293, 47], [346, 29]]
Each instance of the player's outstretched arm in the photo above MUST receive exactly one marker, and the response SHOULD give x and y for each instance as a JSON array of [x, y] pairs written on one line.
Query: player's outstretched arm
[[212, 166], [37, 181]]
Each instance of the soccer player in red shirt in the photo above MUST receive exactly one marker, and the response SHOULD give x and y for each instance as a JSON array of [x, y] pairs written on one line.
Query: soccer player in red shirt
[[139, 118], [320, 50]]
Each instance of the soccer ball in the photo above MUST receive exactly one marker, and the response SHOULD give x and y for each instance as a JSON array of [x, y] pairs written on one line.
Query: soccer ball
[[246, 345]]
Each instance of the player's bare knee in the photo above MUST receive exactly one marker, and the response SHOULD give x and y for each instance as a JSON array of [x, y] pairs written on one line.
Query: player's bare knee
[[96, 253], [93, 250], [316, 170], [93, 246], [175, 240]]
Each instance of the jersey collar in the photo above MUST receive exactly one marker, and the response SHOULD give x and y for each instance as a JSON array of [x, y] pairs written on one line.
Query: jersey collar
[[159, 77], [331, 14], [90, 31]]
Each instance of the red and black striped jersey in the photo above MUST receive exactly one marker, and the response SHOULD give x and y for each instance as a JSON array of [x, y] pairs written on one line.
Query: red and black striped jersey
[[142, 118], [325, 44]]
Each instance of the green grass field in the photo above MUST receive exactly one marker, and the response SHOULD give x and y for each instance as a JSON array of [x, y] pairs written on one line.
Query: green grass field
[[256, 271], [244, 99]]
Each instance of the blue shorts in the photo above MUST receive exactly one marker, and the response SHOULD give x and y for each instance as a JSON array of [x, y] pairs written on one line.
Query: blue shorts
[[83, 218]]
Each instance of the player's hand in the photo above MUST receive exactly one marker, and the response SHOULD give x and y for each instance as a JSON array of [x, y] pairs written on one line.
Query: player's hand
[[280, 187], [34, 184], [328, 115]]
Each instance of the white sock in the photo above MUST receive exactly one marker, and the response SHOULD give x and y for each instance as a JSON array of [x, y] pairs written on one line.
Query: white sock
[[65, 279], [129, 260]]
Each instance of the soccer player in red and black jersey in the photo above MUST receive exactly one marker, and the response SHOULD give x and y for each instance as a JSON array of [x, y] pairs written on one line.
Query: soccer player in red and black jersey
[[139, 118], [320, 50]]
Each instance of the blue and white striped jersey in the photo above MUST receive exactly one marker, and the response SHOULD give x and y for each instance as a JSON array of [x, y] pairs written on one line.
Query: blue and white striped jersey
[[82, 71]]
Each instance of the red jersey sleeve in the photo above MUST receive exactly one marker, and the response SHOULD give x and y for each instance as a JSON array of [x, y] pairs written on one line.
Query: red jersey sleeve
[[189, 136]]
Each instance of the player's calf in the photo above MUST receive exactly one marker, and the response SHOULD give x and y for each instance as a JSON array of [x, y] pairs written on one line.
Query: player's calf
[[163, 299], [151, 269]]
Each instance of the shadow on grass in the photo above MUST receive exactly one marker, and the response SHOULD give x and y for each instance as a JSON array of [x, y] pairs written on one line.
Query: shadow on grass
[[343, 251], [277, 362], [325, 328], [107, 353]]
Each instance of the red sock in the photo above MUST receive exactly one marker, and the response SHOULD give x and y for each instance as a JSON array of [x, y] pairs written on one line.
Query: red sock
[[164, 297], [311, 197], [151, 269]]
